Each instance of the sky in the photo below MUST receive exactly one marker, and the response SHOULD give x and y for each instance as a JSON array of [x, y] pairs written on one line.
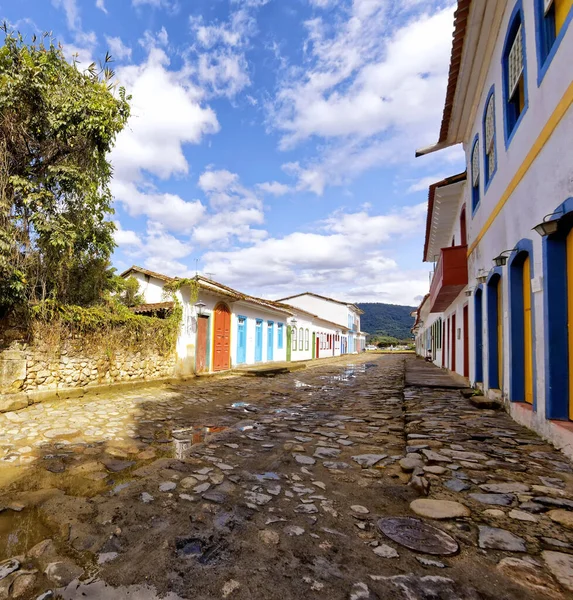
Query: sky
[[271, 142]]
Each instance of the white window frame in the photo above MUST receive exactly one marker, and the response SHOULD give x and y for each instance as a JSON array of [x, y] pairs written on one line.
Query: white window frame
[[475, 164], [490, 134], [515, 62], [294, 338]]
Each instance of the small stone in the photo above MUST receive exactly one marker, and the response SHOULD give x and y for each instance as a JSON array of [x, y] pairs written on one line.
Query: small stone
[[435, 470], [369, 460], [418, 535], [62, 573], [409, 464], [495, 499], [307, 509], [216, 497], [229, 587], [303, 459], [188, 497], [386, 551], [146, 498], [439, 509], [203, 487], [505, 488], [520, 515], [561, 566], [528, 575], [359, 591], [105, 557], [494, 512], [268, 536], [7, 567], [327, 453], [500, 539], [258, 499], [456, 485], [293, 530], [361, 510], [563, 517], [435, 457], [23, 585], [427, 562], [188, 482], [167, 486]]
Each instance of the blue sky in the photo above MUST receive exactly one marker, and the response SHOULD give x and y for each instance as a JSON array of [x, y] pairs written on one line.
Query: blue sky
[[271, 142]]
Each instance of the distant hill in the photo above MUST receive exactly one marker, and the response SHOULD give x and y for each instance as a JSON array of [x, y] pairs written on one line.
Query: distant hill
[[386, 319]]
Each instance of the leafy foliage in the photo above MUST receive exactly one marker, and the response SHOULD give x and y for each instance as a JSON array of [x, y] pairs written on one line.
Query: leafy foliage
[[129, 292], [57, 126], [386, 320]]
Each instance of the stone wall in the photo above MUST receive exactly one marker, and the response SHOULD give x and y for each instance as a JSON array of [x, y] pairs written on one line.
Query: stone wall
[[30, 370]]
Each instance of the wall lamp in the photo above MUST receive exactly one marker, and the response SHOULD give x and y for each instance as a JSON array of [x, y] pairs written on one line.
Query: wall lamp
[[548, 226], [469, 292], [199, 306], [481, 276], [293, 321], [501, 259]]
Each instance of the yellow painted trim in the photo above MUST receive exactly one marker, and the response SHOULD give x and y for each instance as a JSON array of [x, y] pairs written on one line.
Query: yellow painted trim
[[527, 332], [562, 8], [536, 148]]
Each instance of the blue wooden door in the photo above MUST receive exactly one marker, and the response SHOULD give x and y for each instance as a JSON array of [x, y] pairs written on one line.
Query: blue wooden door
[[242, 340], [259, 341], [270, 339]]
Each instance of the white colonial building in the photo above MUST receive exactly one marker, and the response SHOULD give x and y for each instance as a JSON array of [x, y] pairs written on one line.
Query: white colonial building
[[502, 236]]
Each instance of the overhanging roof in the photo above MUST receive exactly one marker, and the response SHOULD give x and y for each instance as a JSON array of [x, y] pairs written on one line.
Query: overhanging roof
[[443, 201], [353, 306]]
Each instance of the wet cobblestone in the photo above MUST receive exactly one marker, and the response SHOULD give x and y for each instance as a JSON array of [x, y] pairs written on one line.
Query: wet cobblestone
[[331, 482]]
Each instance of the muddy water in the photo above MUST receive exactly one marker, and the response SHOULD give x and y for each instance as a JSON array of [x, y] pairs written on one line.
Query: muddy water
[[99, 590], [19, 531]]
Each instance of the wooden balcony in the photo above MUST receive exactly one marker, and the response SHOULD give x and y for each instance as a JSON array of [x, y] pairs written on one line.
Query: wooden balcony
[[450, 277]]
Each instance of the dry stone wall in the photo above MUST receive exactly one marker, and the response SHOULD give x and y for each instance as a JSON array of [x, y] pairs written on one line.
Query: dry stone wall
[[32, 370]]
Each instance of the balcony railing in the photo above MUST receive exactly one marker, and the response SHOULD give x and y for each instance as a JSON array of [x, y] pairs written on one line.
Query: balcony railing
[[450, 277]]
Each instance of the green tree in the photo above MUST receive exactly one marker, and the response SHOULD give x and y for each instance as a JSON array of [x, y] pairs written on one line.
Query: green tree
[[57, 127], [129, 292]]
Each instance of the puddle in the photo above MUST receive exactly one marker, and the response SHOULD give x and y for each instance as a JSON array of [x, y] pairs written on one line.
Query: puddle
[[20, 531], [350, 372], [99, 590], [301, 384], [185, 439], [244, 406]]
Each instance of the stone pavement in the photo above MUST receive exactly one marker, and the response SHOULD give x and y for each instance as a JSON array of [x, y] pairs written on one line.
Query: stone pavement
[[332, 482]]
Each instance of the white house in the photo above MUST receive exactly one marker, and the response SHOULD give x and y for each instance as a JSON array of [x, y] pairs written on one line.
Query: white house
[[504, 290], [345, 315]]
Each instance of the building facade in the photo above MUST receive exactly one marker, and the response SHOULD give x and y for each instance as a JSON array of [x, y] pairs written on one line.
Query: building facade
[[344, 315], [501, 239], [223, 328]]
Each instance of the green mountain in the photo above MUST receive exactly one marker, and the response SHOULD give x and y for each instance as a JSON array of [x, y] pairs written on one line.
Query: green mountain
[[386, 319]]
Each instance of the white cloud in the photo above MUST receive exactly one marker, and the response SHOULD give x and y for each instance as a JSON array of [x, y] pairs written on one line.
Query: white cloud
[[101, 5], [345, 258], [85, 40], [117, 48], [274, 188], [372, 87], [424, 183], [170, 210], [154, 3], [125, 237], [166, 114], [224, 72]]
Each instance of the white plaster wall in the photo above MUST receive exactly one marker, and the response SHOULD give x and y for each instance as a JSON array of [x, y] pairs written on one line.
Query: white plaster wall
[[547, 184], [150, 287], [331, 311], [305, 322]]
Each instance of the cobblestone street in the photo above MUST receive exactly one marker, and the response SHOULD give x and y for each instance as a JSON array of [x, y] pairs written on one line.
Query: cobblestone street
[[337, 481]]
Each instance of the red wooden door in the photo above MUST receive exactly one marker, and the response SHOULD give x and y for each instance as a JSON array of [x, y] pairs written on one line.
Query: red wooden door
[[222, 343], [466, 342], [201, 352], [318, 346], [444, 345], [454, 343]]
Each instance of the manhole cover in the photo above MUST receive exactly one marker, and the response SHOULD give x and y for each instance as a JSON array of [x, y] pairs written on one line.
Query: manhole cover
[[418, 536]]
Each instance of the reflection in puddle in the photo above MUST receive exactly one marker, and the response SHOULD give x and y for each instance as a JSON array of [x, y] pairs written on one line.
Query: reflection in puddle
[[99, 590], [20, 531], [301, 384], [350, 372], [184, 439]]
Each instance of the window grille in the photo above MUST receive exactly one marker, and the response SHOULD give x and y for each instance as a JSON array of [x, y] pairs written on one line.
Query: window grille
[[515, 62], [475, 165], [490, 135]]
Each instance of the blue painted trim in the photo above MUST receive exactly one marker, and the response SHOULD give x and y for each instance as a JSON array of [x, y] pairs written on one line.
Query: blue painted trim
[[241, 348], [478, 333], [516, 13], [555, 315], [543, 63], [493, 381], [524, 249], [488, 177], [475, 192], [280, 336]]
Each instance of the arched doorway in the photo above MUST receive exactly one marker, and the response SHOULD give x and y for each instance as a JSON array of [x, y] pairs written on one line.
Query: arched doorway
[[222, 344], [495, 330], [521, 385]]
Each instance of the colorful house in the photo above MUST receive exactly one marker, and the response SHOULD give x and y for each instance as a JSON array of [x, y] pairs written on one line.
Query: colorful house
[[501, 237], [345, 316]]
